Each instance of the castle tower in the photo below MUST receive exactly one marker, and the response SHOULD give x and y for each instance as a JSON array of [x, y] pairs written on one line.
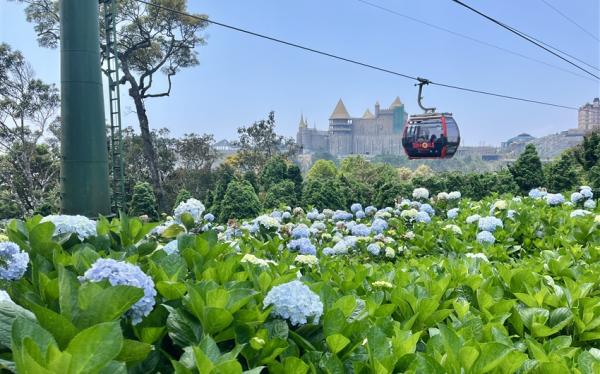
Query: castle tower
[[397, 107], [340, 130], [377, 109], [301, 136]]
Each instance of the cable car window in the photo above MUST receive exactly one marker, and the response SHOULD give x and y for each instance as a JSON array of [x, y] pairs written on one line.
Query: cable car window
[[452, 128]]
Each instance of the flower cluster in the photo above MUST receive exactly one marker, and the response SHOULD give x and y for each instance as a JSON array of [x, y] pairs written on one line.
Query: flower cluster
[[420, 193], [81, 226], [485, 237], [13, 261], [192, 206], [554, 199], [300, 231], [295, 302], [302, 245], [124, 273], [489, 223], [537, 193], [252, 259], [267, 222], [453, 213], [309, 260]]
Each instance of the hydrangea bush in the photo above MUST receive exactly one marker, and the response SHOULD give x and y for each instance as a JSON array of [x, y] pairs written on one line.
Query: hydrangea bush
[[434, 283]]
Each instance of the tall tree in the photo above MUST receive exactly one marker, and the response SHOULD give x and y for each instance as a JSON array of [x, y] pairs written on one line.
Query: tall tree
[[28, 110], [562, 174], [259, 142], [527, 170], [152, 43]]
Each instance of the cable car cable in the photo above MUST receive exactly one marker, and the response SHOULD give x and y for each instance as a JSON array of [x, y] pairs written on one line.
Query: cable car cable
[[363, 64], [479, 41], [570, 20], [524, 36]]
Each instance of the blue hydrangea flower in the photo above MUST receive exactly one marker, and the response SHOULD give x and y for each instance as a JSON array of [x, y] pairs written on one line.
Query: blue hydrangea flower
[[586, 192], [427, 209], [328, 251], [360, 214], [485, 237], [374, 249], [490, 223], [286, 216], [312, 215], [209, 217], [277, 215], [356, 207], [453, 213], [82, 226], [511, 213], [370, 210], [300, 231], [537, 193], [589, 204], [361, 230], [295, 302], [454, 195], [341, 215], [13, 261], [124, 273], [302, 245], [171, 247], [379, 225], [555, 199], [423, 217], [576, 197], [192, 206]]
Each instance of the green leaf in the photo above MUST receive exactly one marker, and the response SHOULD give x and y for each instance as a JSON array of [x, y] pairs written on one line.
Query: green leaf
[[294, 365], [346, 304], [58, 325], [134, 351], [337, 342], [229, 367], [9, 312], [95, 347], [171, 290], [183, 328], [492, 355], [99, 304], [67, 296]]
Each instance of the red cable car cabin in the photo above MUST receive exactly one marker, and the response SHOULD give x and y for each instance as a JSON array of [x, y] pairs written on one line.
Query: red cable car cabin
[[431, 135]]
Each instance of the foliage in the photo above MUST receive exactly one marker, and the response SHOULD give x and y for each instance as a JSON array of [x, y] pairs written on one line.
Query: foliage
[[282, 193], [143, 201], [561, 175], [419, 297], [527, 170], [258, 143], [29, 162], [274, 171], [182, 196], [323, 193], [295, 175], [322, 169], [240, 201]]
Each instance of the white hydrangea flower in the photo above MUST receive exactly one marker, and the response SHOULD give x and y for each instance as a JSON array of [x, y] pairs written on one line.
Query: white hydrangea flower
[[310, 260], [192, 206], [455, 229], [477, 256], [250, 258], [442, 196], [267, 222], [454, 195], [82, 226], [420, 193], [389, 252]]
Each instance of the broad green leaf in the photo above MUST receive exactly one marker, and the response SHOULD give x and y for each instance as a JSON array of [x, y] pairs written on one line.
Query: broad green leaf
[[492, 355], [95, 347], [337, 342]]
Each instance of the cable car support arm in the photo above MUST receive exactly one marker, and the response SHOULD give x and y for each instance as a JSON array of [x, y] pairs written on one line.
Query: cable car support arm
[[423, 82]]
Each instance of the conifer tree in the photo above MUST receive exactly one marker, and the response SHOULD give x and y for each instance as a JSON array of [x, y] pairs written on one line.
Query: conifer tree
[[143, 201], [527, 170]]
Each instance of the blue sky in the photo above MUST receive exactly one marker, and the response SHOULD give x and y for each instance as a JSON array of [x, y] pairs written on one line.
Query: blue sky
[[242, 78]]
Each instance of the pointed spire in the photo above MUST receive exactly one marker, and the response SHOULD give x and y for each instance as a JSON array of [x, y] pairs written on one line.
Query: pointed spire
[[340, 111], [368, 114], [396, 103], [302, 123]]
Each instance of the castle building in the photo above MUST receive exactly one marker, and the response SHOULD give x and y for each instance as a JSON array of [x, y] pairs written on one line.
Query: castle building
[[377, 133], [589, 116]]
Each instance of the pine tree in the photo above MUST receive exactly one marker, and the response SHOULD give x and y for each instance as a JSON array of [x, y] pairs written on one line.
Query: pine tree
[[240, 201], [527, 170], [282, 193], [295, 175], [561, 174], [182, 196], [274, 172], [143, 201]]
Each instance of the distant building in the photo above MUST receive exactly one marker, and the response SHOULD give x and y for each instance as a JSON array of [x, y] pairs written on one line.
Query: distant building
[[225, 146], [377, 133], [516, 144], [589, 116]]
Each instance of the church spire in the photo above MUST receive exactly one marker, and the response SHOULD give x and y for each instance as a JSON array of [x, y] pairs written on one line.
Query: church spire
[[302, 123], [340, 111]]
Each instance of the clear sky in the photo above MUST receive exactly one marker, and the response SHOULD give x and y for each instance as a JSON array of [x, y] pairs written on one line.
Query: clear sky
[[242, 78]]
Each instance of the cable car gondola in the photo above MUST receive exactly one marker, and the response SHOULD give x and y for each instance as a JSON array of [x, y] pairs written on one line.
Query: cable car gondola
[[430, 135]]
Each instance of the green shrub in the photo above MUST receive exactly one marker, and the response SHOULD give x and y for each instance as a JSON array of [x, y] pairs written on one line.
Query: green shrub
[[282, 193], [182, 196], [143, 201], [323, 193], [240, 201]]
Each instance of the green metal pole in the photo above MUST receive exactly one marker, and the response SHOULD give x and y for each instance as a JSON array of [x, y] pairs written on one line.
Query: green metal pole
[[84, 168]]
